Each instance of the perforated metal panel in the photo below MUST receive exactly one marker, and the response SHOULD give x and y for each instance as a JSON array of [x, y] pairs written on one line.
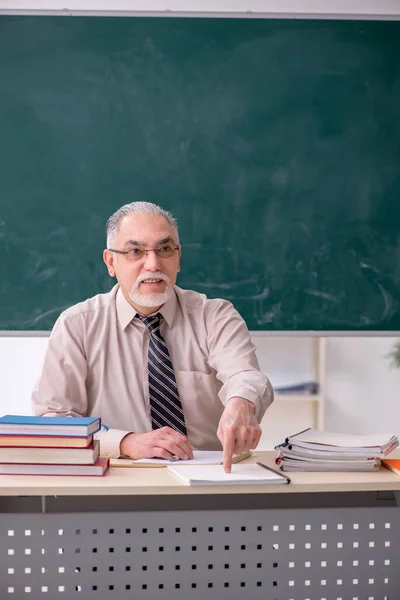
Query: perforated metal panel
[[302, 554]]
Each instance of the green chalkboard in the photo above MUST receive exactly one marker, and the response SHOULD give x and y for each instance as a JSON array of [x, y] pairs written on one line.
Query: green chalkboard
[[276, 143]]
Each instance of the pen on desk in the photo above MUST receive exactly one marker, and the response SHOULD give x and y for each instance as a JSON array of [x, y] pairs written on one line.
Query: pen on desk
[[273, 471]]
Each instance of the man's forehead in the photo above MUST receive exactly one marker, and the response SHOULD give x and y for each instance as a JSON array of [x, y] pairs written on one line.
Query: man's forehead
[[144, 226]]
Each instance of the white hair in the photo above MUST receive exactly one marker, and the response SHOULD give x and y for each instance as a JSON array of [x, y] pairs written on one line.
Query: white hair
[[135, 208]]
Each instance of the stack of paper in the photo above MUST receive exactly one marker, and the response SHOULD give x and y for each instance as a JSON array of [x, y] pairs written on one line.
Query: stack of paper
[[313, 450]]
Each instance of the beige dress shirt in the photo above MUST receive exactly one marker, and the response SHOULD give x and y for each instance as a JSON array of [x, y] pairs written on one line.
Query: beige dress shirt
[[96, 364]]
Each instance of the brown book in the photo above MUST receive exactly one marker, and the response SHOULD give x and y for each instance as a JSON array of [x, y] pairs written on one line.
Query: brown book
[[45, 441], [51, 456]]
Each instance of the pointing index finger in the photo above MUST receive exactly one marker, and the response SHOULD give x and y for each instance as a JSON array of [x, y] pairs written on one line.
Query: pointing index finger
[[228, 452]]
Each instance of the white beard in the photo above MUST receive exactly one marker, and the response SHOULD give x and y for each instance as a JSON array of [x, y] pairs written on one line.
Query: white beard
[[147, 300]]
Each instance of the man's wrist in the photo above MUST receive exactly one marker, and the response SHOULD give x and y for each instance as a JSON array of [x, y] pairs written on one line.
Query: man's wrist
[[239, 401], [125, 443]]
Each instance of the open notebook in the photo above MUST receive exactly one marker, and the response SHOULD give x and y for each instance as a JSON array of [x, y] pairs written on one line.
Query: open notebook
[[200, 457], [243, 474]]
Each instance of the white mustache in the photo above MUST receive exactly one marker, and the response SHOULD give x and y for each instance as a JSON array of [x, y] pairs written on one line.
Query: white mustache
[[155, 275]]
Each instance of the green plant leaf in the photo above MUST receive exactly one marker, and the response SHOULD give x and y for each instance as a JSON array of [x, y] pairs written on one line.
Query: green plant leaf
[[394, 356]]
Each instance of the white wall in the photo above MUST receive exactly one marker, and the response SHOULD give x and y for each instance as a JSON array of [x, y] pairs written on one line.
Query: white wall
[[362, 394], [20, 362]]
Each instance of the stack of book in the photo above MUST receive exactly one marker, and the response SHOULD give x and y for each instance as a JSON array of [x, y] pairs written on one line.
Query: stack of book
[[313, 450], [50, 446]]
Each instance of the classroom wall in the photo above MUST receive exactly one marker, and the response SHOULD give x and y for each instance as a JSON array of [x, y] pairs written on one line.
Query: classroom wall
[[361, 391], [362, 394]]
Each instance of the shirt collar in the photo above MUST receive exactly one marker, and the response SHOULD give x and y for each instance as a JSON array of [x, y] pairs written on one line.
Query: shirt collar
[[126, 312]]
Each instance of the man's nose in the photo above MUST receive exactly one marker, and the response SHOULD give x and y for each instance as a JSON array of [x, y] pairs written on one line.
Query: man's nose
[[151, 261]]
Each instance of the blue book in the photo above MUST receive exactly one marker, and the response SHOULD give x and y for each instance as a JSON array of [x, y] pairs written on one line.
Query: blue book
[[309, 387], [59, 426]]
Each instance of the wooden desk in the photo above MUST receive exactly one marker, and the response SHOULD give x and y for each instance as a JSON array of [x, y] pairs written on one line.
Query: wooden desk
[[158, 481], [140, 533]]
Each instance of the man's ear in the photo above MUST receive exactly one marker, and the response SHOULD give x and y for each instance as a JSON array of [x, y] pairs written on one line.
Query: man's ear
[[108, 258]]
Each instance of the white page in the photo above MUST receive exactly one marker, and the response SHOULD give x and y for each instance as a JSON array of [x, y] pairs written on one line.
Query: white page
[[212, 474], [200, 457], [328, 452], [325, 461], [342, 439]]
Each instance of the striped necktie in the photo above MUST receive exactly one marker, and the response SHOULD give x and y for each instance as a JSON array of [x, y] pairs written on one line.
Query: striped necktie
[[165, 405]]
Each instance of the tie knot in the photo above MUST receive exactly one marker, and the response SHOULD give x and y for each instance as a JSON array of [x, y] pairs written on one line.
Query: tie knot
[[152, 322]]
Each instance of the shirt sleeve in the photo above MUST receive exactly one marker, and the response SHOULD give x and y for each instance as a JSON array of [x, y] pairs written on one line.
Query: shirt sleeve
[[61, 387], [232, 355]]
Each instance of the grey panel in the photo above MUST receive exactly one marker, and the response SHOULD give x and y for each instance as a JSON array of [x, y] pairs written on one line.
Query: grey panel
[[292, 554]]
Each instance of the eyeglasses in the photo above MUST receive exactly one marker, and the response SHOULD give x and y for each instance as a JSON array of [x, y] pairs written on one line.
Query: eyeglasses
[[138, 252]]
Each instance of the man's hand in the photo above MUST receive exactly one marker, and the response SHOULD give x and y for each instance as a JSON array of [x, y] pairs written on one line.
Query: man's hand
[[160, 443], [238, 430]]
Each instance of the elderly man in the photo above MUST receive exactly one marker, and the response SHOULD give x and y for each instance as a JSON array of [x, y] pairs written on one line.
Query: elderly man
[[166, 369]]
